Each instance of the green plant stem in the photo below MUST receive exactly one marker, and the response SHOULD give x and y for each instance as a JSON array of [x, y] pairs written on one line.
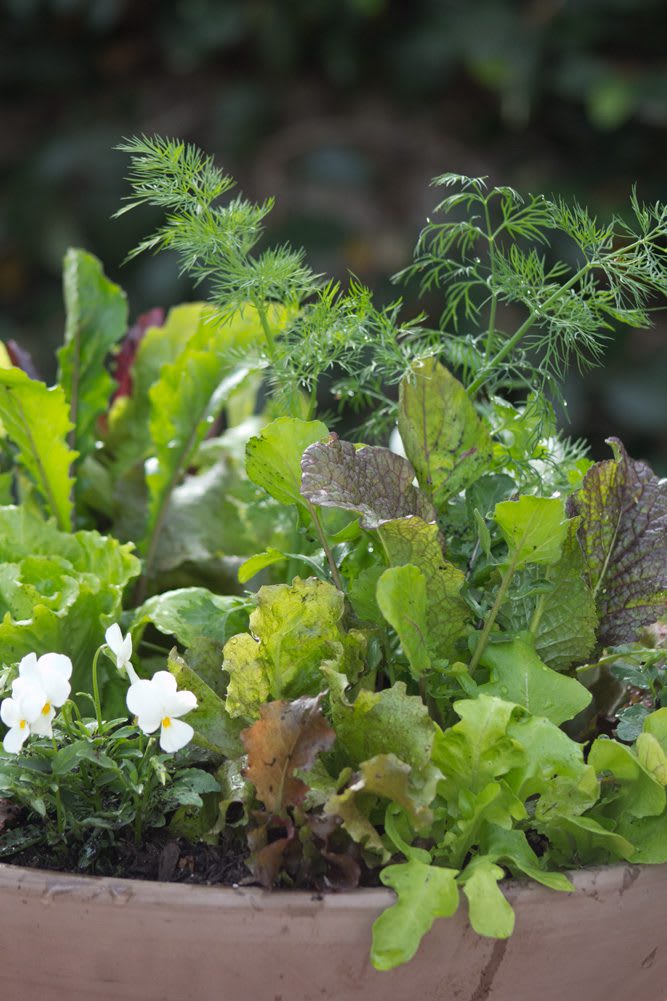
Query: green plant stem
[[96, 690], [140, 797], [494, 298], [335, 573], [491, 617], [266, 328]]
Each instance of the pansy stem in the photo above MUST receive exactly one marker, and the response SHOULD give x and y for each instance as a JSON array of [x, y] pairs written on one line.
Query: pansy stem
[[96, 689]]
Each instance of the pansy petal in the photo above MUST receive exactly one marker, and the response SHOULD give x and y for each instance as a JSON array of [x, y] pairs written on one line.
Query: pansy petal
[[15, 739], [57, 664], [29, 698], [9, 712], [28, 665], [148, 722], [175, 736], [180, 703], [41, 726], [114, 638], [141, 698], [57, 689], [164, 682]]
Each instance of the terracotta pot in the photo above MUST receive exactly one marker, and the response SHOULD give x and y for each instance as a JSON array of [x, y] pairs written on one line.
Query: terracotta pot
[[73, 937]]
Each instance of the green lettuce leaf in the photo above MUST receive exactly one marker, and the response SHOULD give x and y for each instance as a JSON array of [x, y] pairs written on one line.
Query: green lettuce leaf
[[214, 729], [374, 482], [37, 421], [401, 597], [64, 589], [273, 457], [630, 788], [489, 910], [425, 892], [447, 443], [518, 675], [190, 614], [623, 535], [413, 541], [96, 311]]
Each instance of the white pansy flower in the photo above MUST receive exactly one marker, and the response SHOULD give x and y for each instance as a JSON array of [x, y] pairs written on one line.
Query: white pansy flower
[[157, 703], [121, 648], [51, 672], [22, 713]]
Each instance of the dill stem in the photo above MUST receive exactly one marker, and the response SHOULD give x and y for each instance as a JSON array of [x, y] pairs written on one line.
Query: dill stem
[[494, 298], [266, 328]]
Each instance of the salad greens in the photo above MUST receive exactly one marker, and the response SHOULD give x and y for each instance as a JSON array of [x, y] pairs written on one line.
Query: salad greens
[[430, 665]]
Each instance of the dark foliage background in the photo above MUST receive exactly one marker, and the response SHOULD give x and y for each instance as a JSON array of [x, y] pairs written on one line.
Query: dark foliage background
[[343, 109]]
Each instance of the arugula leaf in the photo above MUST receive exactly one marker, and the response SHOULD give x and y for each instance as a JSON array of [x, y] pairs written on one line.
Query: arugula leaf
[[623, 534], [444, 438], [518, 675], [425, 892], [512, 849], [37, 421], [96, 321], [401, 597], [374, 482], [413, 541], [533, 527], [273, 457], [489, 911]]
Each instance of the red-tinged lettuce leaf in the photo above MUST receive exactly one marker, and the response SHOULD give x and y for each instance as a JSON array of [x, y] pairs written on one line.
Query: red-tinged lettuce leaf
[[413, 541], [124, 360], [287, 736], [444, 438], [623, 535], [374, 482]]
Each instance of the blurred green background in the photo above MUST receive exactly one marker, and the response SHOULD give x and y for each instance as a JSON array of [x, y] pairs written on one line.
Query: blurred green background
[[344, 109]]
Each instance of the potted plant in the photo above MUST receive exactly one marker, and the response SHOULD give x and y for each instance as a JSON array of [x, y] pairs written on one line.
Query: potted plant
[[449, 667]]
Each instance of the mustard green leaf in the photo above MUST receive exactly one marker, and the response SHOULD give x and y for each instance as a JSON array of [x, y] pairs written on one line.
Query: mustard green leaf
[[414, 541], [623, 535], [517, 674], [446, 441], [37, 421], [401, 597], [372, 481], [489, 911], [425, 892], [273, 457], [96, 310], [534, 528]]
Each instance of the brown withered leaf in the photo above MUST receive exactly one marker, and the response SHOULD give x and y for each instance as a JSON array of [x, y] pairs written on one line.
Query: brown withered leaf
[[286, 737]]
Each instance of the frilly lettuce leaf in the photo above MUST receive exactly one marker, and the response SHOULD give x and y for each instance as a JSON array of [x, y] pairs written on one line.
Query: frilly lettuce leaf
[[446, 441], [294, 630], [623, 535], [374, 482]]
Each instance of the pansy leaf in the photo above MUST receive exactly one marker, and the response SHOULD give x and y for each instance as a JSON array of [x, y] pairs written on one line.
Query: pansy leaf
[[425, 892], [446, 441], [372, 481], [623, 535]]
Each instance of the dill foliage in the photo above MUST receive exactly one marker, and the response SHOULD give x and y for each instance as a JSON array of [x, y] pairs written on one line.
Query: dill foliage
[[512, 316]]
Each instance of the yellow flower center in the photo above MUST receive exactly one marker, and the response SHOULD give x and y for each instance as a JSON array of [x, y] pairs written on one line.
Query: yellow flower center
[[22, 724], [46, 709], [166, 722]]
